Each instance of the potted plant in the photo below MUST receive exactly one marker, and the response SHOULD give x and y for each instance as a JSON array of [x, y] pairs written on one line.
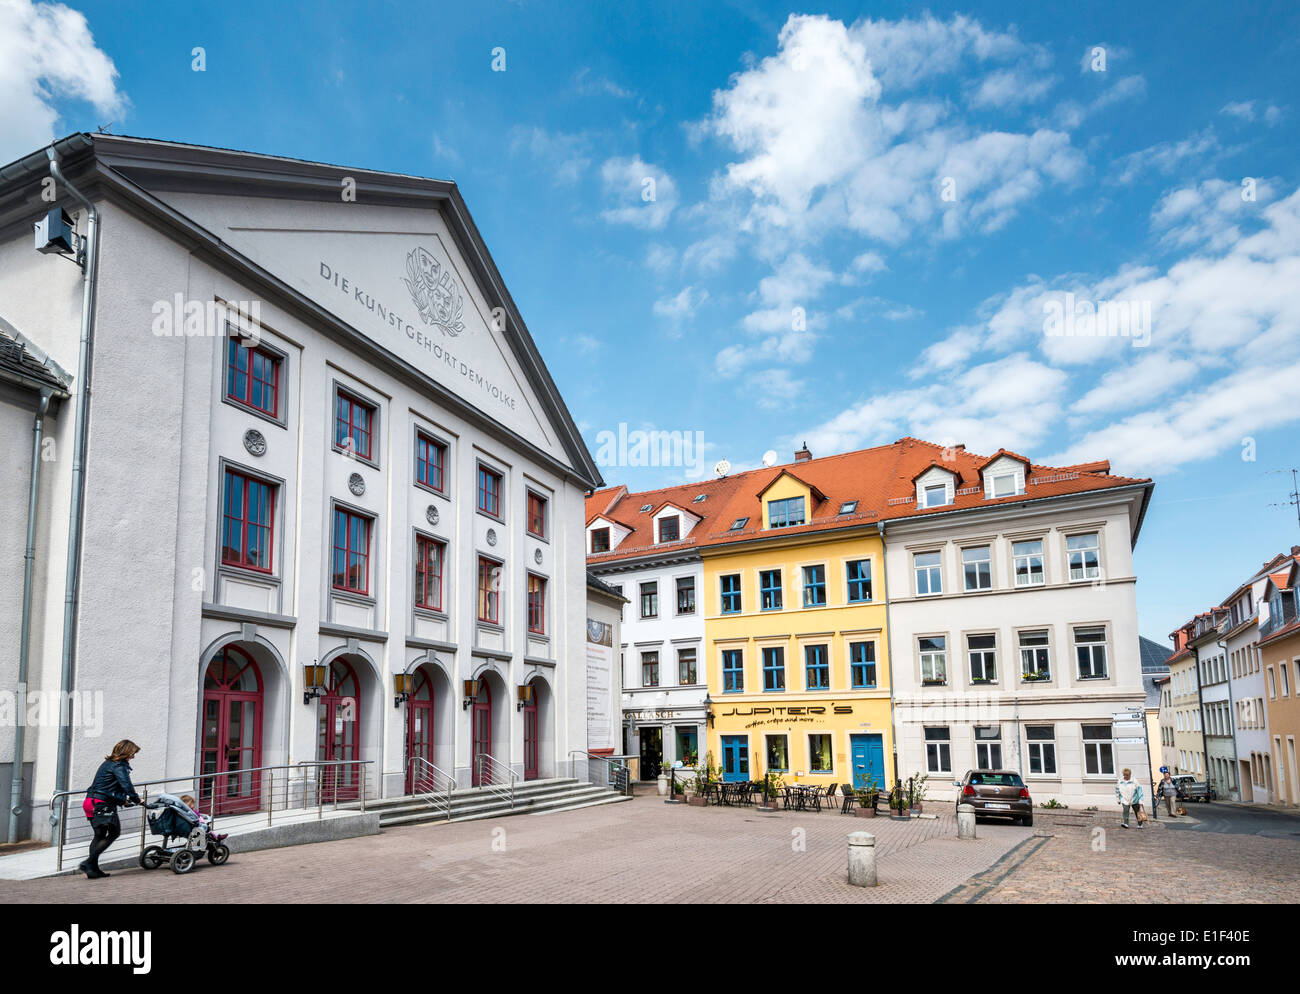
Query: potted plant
[[773, 785], [916, 790], [898, 800], [868, 798]]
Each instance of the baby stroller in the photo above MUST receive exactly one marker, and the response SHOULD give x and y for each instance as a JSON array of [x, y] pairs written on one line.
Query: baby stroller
[[175, 820]]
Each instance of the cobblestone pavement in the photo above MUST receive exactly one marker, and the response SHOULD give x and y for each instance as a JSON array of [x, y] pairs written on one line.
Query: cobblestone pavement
[[1090, 859], [639, 851]]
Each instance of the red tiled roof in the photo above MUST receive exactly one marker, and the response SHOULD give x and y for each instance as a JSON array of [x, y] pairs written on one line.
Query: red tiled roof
[[880, 479], [1014, 455], [1281, 633]]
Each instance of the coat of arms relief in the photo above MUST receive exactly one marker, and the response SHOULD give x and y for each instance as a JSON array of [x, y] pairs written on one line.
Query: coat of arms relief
[[434, 291]]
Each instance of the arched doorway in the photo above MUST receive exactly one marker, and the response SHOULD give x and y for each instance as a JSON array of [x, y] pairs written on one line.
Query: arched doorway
[[482, 731], [532, 731], [232, 733], [338, 733], [419, 734]]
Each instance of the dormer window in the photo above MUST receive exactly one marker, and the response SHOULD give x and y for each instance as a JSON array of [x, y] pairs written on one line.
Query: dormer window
[[785, 513], [600, 540], [936, 495], [1005, 485], [669, 528]]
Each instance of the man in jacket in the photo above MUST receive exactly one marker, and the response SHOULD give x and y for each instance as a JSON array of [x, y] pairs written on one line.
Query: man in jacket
[[1129, 794], [1169, 791]]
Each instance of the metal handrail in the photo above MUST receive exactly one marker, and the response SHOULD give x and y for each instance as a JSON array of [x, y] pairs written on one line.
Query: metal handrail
[[430, 795], [59, 800], [495, 781], [621, 783]]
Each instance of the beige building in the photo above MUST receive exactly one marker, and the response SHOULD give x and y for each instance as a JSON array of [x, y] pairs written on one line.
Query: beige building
[[1186, 750]]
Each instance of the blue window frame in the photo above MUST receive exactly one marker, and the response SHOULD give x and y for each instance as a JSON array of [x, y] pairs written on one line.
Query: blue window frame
[[862, 659], [859, 580], [733, 671], [785, 513], [769, 589], [814, 586], [731, 593], [818, 667], [774, 668]]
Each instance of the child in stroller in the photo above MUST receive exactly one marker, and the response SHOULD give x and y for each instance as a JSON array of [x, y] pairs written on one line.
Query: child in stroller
[[177, 820]]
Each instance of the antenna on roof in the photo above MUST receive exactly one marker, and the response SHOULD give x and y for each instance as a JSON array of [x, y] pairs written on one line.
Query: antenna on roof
[[1294, 495], [769, 457], [722, 467]]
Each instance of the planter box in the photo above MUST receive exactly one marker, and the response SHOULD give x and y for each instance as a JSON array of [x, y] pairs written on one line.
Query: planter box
[[696, 801], [864, 812]]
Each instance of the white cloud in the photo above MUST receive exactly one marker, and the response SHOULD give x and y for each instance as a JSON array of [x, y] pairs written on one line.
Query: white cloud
[[643, 195], [1200, 149], [660, 257], [1147, 379], [825, 143], [589, 84], [560, 154], [1009, 88], [1208, 213], [47, 55], [868, 263], [773, 389], [1245, 110], [682, 306]]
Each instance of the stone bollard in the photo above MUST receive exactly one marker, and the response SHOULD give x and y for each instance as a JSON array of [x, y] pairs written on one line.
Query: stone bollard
[[862, 859], [965, 821]]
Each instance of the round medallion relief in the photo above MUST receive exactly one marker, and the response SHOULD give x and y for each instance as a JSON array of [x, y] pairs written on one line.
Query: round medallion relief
[[491, 536], [255, 442], [537, 556], [431, 514], [357, 484]]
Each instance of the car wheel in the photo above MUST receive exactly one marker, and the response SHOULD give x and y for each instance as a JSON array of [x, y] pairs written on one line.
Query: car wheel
[[1027, 821]]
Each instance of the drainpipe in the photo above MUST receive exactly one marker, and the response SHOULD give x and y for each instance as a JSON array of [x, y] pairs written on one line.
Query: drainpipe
[[889, 645], [1200, 706], [89, 266], [24, 638], [1232, 724]]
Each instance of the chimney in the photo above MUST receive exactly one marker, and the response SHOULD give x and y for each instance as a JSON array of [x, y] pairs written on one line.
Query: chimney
[[803, 455]]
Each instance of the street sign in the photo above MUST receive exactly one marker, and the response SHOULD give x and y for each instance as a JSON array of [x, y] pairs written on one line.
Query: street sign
[[1130, 742], [1128, 725], [1126, 715]]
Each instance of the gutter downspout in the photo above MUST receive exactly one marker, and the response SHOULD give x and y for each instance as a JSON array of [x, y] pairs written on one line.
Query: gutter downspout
[[89, 268], [1200, 706], [889, 646], [24, 638], [1232, 719]]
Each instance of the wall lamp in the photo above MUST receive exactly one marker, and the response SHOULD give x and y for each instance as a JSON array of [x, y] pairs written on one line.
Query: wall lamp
[[313, 678], [471, 694], [403, 687], [525, 696], [708, 707]]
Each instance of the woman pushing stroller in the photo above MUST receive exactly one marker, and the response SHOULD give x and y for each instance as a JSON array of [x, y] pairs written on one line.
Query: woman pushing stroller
[[111, 787]]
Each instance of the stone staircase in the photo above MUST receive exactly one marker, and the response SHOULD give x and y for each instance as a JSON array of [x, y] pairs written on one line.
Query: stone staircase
[[532, 797]]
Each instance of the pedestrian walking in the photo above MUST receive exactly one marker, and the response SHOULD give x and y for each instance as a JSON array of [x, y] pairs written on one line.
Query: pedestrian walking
[[112, 786], [1169, 791], [1129, 793]]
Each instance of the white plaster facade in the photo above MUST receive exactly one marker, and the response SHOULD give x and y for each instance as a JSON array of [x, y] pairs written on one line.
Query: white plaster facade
[[1019, 717], [188, 224]]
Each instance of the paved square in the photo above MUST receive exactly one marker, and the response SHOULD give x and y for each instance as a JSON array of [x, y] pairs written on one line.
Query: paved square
[[641, 851]]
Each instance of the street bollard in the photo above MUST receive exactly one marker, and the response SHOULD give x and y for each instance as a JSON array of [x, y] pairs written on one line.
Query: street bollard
[[965, 821], [862, 859]]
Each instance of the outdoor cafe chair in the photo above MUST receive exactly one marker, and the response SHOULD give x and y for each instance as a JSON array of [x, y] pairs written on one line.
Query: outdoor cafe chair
[[830, 794], [849, 799]]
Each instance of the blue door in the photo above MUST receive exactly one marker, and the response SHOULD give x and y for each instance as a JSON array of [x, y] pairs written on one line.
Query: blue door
[[868, 761], [735, 758]]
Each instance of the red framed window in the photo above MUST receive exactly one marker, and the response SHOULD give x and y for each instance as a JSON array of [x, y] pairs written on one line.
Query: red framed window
[[536, 515], [536, 605], [354, 421], [429, 554], [430, 462], [252, 377], [351, 552], [489, 491], [248, 522], [489, 591]]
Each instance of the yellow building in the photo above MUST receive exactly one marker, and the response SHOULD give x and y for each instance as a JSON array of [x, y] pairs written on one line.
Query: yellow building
[[796, 644]]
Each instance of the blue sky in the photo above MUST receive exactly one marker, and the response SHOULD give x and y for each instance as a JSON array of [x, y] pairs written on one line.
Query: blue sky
[[858, 222]]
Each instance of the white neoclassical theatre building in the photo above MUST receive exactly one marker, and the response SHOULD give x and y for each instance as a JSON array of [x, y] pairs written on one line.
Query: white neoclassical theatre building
[[320, 445]]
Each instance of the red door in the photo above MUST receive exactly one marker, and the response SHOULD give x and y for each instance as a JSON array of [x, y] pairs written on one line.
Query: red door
[[232, 734], [419, 735], [530, 737], [339, 733], [482, 732]]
